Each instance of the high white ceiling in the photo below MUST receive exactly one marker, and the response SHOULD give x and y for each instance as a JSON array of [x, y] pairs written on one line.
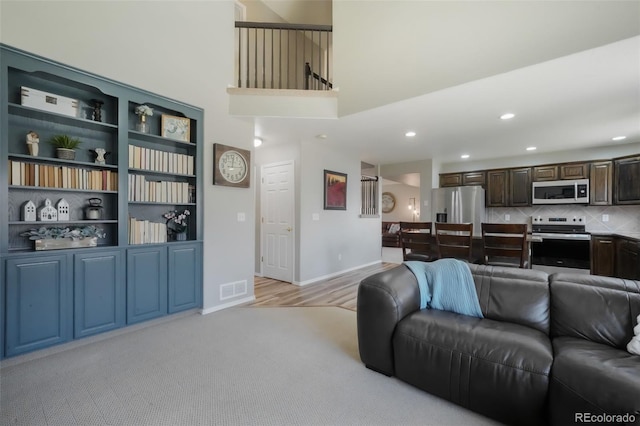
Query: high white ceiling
[[575, 101], [314, 12]]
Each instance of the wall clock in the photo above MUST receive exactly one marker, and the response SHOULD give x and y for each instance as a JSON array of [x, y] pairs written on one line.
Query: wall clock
[[232, 166], [388, 202]]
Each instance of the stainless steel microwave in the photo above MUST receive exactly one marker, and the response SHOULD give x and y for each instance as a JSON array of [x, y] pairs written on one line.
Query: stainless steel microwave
[[561, 192]]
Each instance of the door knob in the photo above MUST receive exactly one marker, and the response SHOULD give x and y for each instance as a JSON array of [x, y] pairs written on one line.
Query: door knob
[[289, 229]]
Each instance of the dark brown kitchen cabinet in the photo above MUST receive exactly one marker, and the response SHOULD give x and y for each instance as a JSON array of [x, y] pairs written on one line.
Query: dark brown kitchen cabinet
[[600, 183], [561, 172], [450, 179], [462, 179], [627, 259], [574, 171], [545, 173], [603, 256], [473, 178], [496, 194], [519, 187], [626, 178]]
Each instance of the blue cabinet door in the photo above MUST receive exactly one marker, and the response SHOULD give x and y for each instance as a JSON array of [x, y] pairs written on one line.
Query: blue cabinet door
[[99, 292], [146, 283], [38, 301], [185, 277]]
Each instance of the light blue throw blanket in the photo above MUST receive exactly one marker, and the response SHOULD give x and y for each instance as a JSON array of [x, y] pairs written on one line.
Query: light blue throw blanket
[[447, 285]]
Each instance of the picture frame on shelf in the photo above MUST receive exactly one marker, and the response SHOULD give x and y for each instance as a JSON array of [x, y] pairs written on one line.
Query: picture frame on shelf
[[173, 127], [335, 190]]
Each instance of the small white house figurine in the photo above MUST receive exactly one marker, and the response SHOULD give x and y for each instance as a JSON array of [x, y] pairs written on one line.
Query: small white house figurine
[[63, 209], [47, 213], [29, 211], [32, 143]]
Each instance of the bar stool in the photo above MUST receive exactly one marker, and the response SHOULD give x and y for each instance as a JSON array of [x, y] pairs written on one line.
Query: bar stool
[[454, 240], [416, 240], [505, 244]]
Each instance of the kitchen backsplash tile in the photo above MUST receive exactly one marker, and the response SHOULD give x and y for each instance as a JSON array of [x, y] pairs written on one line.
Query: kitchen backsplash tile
[[622, 219]]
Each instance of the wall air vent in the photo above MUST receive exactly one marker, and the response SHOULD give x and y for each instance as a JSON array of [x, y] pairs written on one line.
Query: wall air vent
[[234, 289]]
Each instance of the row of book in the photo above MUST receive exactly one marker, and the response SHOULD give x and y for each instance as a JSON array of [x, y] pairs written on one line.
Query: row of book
[[146, 232], [64, 177], [160, 161], [143, 190]]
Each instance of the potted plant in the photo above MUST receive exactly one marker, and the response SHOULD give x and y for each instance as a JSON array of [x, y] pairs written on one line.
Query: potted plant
[[177, 223], [65, 146]]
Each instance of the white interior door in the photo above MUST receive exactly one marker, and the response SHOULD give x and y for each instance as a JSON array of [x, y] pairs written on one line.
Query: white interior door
[[277, 232]]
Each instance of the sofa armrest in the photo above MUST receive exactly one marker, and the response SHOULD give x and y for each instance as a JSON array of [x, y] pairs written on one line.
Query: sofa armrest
[[383, 300]]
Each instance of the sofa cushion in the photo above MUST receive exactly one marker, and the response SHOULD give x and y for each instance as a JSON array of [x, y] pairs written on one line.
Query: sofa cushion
[[594, 378], [495, 368], [606, 312], [514, 295]]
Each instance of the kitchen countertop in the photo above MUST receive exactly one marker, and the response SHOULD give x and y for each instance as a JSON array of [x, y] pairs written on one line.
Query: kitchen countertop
[[630, 235]]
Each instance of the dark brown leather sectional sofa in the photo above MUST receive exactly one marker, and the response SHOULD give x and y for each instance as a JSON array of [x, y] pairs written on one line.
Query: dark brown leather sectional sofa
[[550, 348]]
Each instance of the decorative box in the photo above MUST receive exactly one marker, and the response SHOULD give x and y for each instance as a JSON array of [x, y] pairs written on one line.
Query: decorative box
[[65, 243], [48, 102]]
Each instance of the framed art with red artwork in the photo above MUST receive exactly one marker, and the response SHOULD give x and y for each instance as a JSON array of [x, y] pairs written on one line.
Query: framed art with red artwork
[[335, 190]]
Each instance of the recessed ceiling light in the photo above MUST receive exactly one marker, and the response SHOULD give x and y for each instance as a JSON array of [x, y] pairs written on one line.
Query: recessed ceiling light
[[464, 156], [618, 138], [410, 134], [507, 116], [531, 148], [321, 136], [257, 142]]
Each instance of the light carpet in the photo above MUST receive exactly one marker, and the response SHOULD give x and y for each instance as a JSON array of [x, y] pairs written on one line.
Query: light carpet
[[240, 366]]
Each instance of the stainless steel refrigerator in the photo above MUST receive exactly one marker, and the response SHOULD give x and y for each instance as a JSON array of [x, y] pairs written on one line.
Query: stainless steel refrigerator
[[459, 204]]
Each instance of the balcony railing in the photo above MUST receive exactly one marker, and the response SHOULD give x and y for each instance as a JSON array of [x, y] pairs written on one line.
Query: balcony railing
[[283, 56], [368, 195]]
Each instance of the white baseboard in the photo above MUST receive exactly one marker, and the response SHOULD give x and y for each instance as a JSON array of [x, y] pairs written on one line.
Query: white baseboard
[[227, 305], [334, 274]]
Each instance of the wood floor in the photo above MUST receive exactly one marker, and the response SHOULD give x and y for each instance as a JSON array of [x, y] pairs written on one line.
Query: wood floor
[[339, 291]]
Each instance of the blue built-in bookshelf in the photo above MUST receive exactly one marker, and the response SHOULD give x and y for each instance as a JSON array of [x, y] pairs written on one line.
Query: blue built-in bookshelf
[[138, 269]]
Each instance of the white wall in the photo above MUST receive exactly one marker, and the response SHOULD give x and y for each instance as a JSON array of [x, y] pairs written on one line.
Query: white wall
[[339, 233], [180, 49], [257, 11], [423, 167], [402, 193]]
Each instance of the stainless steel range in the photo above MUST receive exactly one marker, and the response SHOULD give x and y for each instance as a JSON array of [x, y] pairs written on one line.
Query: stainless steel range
[[565, 242]]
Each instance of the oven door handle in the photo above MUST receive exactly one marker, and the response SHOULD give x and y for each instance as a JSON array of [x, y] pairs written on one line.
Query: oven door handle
[[554, 236]]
